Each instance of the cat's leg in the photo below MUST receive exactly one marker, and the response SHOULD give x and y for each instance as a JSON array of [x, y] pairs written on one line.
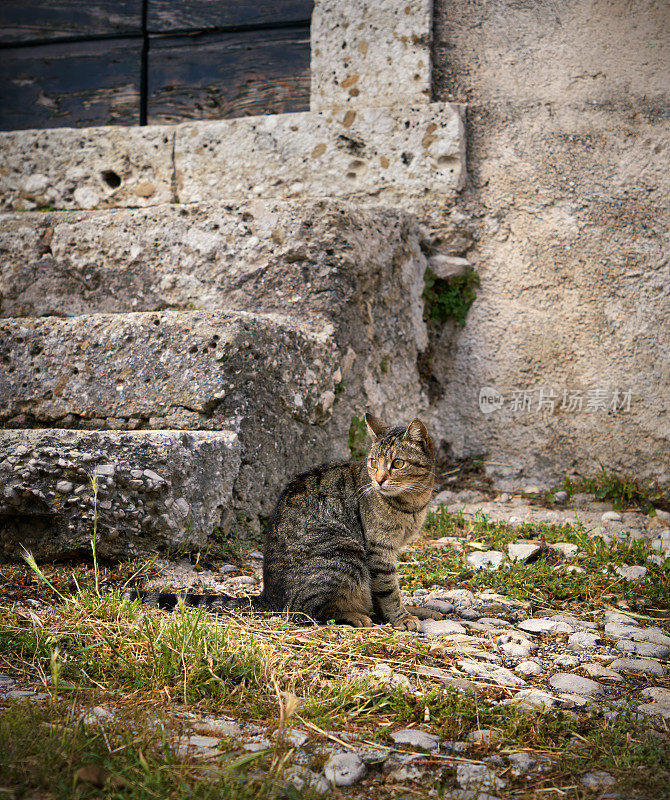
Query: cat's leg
[[333, 583], [386, 588], [351, 604]]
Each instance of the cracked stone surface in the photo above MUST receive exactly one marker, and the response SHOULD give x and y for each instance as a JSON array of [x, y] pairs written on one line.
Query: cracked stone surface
[[77, 168], [358, 152], [47, 499]]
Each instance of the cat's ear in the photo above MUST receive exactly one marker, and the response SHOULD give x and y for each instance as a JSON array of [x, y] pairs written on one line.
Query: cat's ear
[[417, 434], [375, 426]]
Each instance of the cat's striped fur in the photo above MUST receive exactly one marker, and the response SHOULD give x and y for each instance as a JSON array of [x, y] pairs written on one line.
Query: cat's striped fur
[[332, 540]]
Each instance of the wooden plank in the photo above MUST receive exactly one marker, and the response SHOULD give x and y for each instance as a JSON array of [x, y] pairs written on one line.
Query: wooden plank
[[45, 20], [75, 85], [213, 76], [164, 16]]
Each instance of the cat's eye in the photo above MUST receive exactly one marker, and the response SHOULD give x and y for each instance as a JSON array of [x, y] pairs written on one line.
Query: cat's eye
[[397, 463], [373, 463]]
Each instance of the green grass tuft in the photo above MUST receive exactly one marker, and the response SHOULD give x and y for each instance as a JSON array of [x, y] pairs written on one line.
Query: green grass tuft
[[450, 298]]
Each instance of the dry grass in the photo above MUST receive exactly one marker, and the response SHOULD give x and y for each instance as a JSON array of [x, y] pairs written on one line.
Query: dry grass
[[85, 648]]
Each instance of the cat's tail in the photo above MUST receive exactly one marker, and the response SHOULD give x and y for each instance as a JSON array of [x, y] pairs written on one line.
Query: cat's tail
[[213, 603]]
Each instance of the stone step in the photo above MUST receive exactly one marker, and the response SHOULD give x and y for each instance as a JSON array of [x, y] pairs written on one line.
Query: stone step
[[194, 369], [259, 255], [269, 378], [282, 383], [378, 154], [157, 490]]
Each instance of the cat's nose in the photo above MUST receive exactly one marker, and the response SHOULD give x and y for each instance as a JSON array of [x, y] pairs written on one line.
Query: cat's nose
[[380, 477]]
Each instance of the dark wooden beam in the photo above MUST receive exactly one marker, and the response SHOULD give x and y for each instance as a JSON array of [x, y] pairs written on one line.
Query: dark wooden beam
[[48, 20], [166, 16], [55, 86], [210, 76]]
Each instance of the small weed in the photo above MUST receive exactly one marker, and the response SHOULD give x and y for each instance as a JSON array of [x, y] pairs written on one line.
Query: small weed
[[450, 298], [230, 546], [625, 491], [94, 541]]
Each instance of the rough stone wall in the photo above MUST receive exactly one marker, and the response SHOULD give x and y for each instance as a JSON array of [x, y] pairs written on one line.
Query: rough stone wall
[[568, 184]]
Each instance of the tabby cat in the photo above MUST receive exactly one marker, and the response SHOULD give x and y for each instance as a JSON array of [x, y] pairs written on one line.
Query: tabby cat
[[333, 537]]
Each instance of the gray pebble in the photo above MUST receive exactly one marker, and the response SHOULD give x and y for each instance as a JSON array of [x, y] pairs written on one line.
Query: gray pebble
[[478, 777], [568, 682], [644, 649], [641, 666], [416, 738], [441, 627], [442, 606], [597, 779], [582, 640], [344, 769]]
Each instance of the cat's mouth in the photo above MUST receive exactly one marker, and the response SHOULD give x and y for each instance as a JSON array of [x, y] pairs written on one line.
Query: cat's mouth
[[389, 491]]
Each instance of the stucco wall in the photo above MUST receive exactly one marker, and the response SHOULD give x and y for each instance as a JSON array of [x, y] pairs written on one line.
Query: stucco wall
[[567, 193]]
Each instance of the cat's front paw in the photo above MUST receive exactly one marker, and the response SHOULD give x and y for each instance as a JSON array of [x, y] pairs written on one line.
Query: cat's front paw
[[355, 619], [407, 622]]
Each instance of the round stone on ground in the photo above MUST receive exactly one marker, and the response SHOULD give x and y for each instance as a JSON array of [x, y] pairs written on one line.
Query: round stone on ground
[[569, 682], [441, 627], [621, 619], [522, 551], [528, 668], [566, 548], [489, 559], [594, 670], [582, 640], [344, 769], [597, 780], [643, 649], [416, 738], [631, 573], [640, 666], [542, 625]]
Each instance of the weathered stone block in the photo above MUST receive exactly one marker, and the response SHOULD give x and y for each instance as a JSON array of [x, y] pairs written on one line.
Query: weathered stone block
[[267, 255], [156, 490], [338, 291], [374, 53], [86, 167], [383, 153], [193, 369], [271, 380]]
